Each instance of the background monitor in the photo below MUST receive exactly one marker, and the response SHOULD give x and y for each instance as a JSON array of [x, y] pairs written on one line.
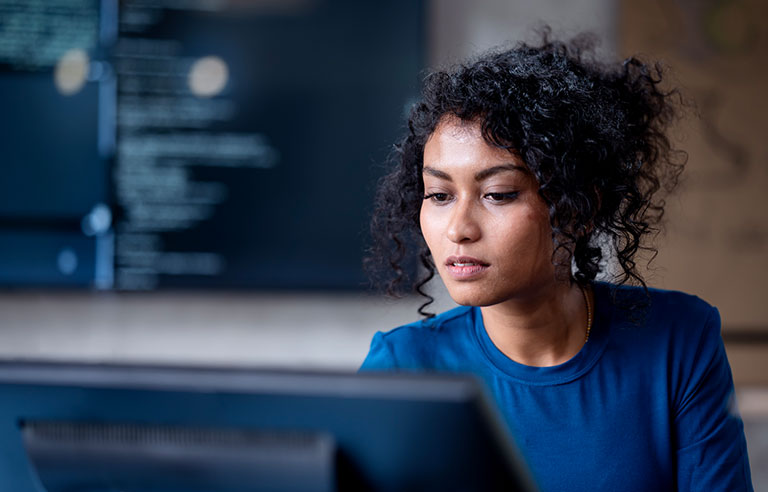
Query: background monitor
[[203, 144]]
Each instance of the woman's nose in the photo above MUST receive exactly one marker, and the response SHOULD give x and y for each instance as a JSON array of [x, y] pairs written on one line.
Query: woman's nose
[[463, 226]]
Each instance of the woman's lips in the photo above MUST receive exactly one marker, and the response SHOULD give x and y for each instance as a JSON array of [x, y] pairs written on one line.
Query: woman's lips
[[465, 267]]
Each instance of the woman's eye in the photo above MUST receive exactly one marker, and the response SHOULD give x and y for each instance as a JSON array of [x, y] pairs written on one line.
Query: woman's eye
[[437, 197], [501, 197]]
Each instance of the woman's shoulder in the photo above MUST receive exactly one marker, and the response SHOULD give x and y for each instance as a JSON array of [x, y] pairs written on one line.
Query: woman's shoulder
[[655, 306], [667, 323], [443, 323], [423, 343], [677, 357]]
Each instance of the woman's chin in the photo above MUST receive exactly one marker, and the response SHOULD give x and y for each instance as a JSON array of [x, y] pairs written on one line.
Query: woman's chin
[[472, 297]]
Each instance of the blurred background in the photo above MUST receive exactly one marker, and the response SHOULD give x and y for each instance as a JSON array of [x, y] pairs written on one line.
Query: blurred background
[[190, 181]]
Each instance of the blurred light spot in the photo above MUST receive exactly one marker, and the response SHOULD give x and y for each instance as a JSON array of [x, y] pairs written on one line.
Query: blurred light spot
[[208, 76], [71, 71], [67, 261], [98, 220]]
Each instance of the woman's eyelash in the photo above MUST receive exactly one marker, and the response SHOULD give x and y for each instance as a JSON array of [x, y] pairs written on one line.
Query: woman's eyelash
[[502, 196], [438, 197], [497, 197]]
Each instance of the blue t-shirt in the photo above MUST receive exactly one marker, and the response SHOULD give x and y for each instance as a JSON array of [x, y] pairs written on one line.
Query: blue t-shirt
[[646, 404]]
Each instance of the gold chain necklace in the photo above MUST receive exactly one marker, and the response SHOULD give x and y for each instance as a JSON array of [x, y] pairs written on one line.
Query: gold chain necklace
[[589, 312]]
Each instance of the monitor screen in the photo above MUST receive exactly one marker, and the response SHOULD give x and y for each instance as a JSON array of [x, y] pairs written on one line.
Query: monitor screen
[[198, 144], [73, 427]]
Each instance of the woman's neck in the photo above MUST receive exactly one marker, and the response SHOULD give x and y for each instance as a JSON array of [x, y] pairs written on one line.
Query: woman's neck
[[545, 329]]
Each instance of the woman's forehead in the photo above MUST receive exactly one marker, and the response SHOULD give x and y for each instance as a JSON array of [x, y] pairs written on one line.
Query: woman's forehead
[[459, 143]]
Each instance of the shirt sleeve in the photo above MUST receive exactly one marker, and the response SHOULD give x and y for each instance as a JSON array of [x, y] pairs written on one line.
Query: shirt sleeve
[[380, 356], [711, 448]]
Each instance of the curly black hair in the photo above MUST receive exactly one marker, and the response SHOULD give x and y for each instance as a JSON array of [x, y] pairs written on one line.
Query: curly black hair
[[592, 133]]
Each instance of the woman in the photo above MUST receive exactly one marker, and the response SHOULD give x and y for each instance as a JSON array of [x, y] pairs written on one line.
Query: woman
[[521, 174]]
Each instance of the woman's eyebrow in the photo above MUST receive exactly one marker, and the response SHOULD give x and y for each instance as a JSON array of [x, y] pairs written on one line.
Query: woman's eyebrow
[[480, 175], [436, 173], [491, 171]]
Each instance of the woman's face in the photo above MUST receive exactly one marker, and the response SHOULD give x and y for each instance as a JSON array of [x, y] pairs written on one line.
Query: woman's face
[[482, 218]]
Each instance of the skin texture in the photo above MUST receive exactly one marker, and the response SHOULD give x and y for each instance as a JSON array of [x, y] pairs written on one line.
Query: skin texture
[[482, 202]]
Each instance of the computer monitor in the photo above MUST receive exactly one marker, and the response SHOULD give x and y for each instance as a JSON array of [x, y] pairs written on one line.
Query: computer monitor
[[97, 428], [172, 144]]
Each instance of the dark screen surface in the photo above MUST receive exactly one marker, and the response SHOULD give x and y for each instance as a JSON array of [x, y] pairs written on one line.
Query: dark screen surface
[[389, 432], [233, 144]]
